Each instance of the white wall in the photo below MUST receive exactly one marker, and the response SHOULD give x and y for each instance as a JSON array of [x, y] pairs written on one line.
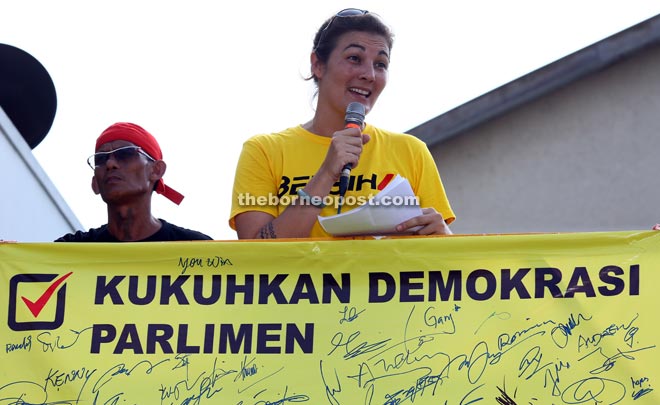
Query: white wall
[[31, 209], [584, 158]]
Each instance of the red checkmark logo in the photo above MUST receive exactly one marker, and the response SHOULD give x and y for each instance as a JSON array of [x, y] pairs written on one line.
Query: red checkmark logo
[[36, 306]]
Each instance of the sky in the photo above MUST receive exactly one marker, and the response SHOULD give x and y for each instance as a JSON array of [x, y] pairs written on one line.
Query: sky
[[204, 76]]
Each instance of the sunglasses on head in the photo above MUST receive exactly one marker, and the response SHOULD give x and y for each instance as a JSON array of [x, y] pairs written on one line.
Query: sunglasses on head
[[123, 154], [347, 12]]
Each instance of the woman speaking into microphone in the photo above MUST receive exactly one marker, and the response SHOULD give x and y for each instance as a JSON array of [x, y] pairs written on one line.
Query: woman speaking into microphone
[[285, 180]]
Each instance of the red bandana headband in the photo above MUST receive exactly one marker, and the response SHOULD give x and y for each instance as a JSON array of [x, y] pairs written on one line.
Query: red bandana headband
[[125, 131]]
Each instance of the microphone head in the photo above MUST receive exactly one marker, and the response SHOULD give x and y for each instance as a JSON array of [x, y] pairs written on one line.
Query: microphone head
[[355, 114]]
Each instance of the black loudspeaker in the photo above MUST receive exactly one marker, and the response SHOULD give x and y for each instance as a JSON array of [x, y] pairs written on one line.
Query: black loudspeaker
[[27, 94]]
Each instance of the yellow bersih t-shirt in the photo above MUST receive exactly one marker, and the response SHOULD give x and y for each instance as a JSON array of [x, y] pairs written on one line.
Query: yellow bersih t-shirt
[[272, 167]]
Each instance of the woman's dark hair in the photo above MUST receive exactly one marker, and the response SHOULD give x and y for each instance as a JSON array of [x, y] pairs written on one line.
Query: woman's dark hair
[[326, 37]]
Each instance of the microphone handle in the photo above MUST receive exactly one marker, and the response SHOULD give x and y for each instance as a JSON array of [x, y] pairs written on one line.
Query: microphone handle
[[346, 171], [354, 118], [343, 179]]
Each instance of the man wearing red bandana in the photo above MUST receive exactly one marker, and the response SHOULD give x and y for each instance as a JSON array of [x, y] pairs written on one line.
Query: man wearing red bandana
[[128, 167]]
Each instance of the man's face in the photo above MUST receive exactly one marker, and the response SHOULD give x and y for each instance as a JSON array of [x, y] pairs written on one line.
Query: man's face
[[123, 176]]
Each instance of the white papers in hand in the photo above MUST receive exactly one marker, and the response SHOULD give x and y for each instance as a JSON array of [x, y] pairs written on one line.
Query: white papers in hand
[[394, 204]]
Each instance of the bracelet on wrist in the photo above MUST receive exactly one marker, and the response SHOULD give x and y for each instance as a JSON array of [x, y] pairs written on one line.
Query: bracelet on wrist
[[307, 199]]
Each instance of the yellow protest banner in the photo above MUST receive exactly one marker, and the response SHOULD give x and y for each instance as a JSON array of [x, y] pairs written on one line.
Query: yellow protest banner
[[493, 319]]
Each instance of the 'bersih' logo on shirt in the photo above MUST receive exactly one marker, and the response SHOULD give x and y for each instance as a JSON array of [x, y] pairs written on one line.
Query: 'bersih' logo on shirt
[[36, 301], [290, 185]]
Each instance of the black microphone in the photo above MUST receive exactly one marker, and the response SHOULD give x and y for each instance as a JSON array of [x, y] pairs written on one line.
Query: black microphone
[[354, 119]]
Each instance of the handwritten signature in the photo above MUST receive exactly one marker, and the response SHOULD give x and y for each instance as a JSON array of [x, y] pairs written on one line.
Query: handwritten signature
[[211, 262], [50, 342]]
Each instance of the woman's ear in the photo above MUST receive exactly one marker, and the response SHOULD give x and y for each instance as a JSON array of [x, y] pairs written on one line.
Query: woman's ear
[[317, 65]]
